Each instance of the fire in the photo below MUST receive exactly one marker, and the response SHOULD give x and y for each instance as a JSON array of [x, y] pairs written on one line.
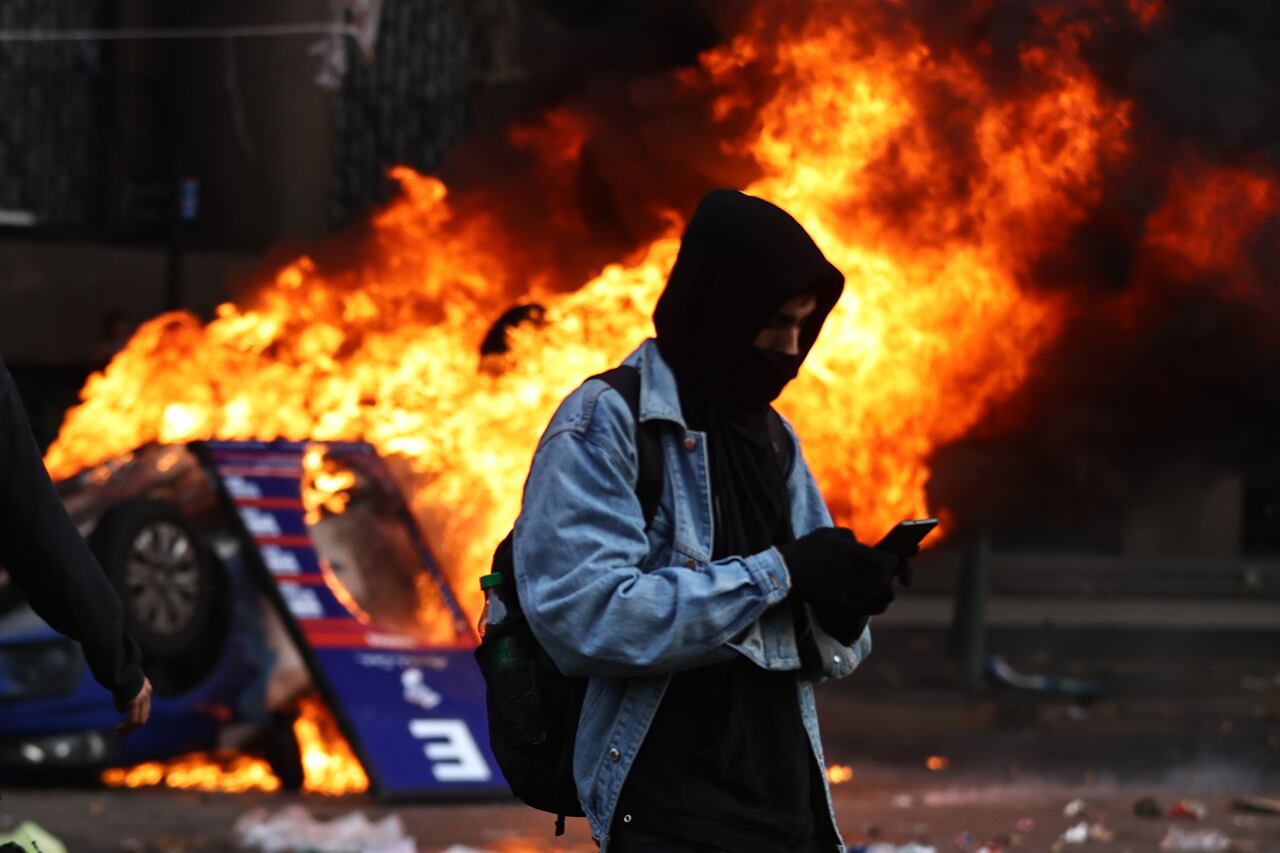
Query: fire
[[935, 327], [201, 771], [328, 765], [325, 487], [838, 774], [937, 762]]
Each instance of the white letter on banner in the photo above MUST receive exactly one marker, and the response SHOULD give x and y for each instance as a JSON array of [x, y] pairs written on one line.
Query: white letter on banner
[[454, 755]]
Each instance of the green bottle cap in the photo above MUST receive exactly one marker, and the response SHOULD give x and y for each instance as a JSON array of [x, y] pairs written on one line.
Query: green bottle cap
[[491, 580]]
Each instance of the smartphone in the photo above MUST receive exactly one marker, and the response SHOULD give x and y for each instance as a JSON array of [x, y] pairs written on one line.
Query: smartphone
[[906, 535]]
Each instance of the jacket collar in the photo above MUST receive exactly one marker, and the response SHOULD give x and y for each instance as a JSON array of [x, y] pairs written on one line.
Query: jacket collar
[[659, 397]]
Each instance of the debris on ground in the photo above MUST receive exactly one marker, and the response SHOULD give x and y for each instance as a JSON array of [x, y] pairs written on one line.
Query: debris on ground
[[1147, 807], [903, 801], [1026, 824], [1001, 673], [1260, 805], [1189, 810], [294, 830], [1073, 808], [29, 835], [1077, 834], [1100, 833], [1194, 839], [892, 848]]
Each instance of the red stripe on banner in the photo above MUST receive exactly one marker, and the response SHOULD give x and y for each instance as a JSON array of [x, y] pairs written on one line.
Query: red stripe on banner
[[306, 579], [285, 541], [270, 503], [337, 641]]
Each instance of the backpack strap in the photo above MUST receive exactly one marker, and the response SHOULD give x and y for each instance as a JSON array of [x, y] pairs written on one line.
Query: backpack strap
[[626, 381], [651, 472]]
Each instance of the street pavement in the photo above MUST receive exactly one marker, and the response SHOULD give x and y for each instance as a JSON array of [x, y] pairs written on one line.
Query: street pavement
[[1180, 714], [950, 812]]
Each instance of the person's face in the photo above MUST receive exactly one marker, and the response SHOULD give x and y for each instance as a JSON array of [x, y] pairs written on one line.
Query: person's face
[[782, 332]]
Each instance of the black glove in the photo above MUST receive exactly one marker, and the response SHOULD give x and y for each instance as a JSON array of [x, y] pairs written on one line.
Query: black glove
[[831, 568]]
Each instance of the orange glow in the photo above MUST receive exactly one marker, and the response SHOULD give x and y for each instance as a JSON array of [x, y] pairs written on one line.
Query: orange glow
[[838, 774], [1208, 215], [936, 222], [1145, 12], [325, 487], [328, 764], [933, 329], [937, 762], [231, 773]]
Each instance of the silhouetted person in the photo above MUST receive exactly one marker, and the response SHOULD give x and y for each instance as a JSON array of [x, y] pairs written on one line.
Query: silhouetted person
[[51, 563]]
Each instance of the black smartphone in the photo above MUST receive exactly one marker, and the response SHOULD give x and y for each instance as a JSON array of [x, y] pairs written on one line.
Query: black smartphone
[[906, 535]]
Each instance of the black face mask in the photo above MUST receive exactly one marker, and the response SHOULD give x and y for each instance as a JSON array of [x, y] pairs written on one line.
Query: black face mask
[[740, 260], [758, 378]]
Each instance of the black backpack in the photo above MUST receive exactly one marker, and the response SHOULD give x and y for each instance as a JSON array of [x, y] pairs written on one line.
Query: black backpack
[[533, 708]]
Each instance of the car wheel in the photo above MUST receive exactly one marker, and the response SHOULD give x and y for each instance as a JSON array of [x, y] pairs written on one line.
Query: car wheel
[[170, 586]]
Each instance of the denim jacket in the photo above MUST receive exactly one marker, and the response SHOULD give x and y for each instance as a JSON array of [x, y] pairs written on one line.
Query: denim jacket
[[627, 607]]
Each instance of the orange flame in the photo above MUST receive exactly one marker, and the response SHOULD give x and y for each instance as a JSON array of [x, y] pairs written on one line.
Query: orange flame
[[201, 771], [328, 764], [937, 762], [838, 774], [933, 329], [325, 488]]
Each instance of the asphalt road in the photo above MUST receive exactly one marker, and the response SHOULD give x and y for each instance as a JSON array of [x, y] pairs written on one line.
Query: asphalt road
[[1180, 714], [950, 812]]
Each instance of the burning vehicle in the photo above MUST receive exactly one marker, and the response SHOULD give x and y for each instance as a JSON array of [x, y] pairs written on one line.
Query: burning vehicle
[[254, 576], [1047, 257]]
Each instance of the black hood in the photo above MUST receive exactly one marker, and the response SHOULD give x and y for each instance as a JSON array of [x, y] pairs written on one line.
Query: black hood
[[740, 259]]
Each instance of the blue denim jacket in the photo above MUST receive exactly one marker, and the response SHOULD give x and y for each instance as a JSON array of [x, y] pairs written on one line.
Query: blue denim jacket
[[627, 607]]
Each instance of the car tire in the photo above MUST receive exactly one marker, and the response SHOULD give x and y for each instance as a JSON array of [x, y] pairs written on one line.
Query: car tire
[[171, 586]]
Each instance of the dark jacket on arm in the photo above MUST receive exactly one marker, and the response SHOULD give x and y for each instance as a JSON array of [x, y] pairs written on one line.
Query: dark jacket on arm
[[49, 560]]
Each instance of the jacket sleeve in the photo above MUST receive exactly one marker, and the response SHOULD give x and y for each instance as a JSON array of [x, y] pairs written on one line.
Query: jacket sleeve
[[579, 543], [841, 639], [49, 560]]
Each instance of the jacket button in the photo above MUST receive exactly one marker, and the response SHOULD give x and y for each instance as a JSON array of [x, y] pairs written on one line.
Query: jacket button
[[690, 442], [614, 755], [835, 659], [690, 564]]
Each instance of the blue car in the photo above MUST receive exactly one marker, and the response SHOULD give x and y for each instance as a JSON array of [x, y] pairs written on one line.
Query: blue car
[[250, 573]]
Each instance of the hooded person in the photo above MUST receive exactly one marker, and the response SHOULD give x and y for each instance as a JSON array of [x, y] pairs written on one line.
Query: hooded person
[[702, 632]]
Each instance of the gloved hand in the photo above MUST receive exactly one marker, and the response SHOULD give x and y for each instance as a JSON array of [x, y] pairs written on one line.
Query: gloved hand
[[831, 568], [903, 571]]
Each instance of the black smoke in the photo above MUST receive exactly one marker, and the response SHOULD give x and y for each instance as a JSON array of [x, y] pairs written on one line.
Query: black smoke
[[1159, 368]]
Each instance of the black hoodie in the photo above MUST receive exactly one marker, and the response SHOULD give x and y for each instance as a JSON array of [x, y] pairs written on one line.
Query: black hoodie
[[50, 562], [726, 760]]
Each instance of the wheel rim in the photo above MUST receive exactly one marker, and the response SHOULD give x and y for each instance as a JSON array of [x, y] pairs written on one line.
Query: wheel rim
[[162, 578]]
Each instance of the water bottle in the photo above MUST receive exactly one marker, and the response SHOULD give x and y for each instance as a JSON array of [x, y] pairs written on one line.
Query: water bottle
[[494, 612], [505, 649]]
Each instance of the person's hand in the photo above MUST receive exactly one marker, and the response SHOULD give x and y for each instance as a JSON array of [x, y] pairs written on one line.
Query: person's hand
[[832, 568], [903, 571], [136, 711]]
